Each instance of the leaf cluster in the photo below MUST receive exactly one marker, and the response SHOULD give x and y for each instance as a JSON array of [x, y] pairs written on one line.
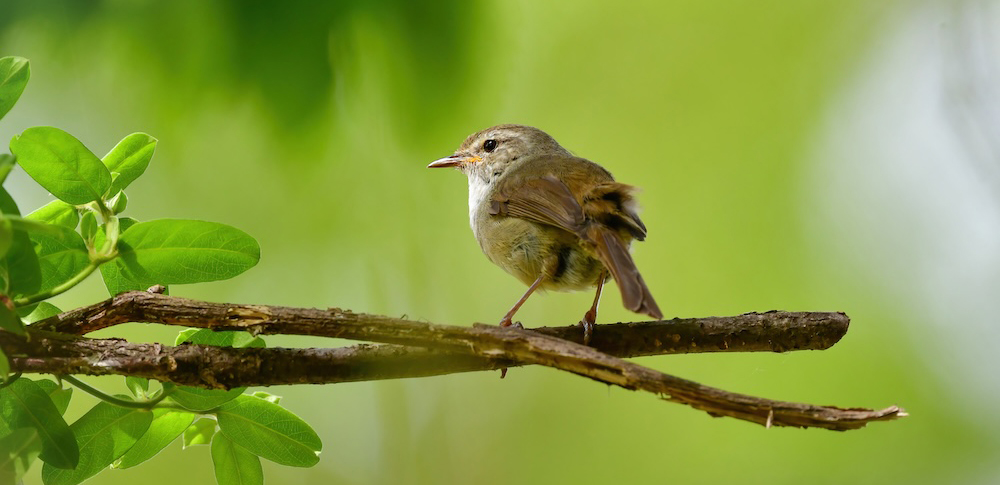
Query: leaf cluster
[[60, 244]]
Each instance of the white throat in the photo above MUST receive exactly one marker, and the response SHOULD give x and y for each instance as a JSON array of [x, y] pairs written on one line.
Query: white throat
[[478, 190]]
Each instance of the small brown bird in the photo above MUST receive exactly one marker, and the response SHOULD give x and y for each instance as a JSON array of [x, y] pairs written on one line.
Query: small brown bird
[[554, 221]]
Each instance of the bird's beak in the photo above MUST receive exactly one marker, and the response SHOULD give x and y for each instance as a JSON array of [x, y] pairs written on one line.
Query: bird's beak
[[453, 161]]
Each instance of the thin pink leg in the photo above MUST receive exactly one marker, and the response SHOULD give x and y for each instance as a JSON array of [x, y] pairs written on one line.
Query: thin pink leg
[[506, 322], [507, 319], [590, 317]]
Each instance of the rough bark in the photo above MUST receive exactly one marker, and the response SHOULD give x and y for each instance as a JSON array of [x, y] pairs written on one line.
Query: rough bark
[[423, 349]]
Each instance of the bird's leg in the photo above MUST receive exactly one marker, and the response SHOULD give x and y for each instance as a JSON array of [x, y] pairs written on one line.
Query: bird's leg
[[590, 317], [507, 319]]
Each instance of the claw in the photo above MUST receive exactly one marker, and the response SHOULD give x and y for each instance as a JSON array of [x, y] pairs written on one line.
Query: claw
[[590, 317], [588, 331], [507, 323], [588, 325]]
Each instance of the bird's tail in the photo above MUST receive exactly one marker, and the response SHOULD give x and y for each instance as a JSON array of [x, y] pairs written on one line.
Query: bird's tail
[[615, 256]]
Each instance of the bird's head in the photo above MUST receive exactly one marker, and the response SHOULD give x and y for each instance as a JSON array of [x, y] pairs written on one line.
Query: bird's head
[[488, 153]]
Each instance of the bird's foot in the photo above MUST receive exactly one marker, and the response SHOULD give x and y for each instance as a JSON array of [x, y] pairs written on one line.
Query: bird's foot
[[507, 323], [588, 326]]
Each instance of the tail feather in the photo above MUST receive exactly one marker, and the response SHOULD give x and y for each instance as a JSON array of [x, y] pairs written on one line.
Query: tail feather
[[615, 256]]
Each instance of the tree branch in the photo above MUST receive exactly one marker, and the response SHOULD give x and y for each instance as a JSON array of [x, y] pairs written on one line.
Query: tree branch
[[773, 331], [443, 349]]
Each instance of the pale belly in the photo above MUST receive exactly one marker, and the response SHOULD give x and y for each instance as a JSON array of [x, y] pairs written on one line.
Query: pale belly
[[526, 250]]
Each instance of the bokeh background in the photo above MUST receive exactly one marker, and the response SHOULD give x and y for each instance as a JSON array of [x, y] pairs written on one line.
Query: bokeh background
[[799, 155]]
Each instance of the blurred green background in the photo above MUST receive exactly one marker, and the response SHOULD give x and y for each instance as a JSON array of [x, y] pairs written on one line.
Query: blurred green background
[[799, 155]]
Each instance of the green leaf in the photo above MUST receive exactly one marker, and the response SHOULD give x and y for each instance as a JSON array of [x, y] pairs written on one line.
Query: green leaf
[[270, 431], [225, 338], [7, 204], [103, 435], [9, 320], [23, 272], [167, 425], [6, 236], [267, 397], [197, 399], [25, 404], [234, 465], [56, 212], [200, 433], [60, 163], [60, 256], [29, 226], [119, 203], [129, 158], [19, 272], [171, 251], [126, 222], [117, 278], [4, 366], [138, 386], [26, 310], [6, 165], [185, 335], [41, 312], [88, 226], [17, 451], [14, 74], [60, 396]]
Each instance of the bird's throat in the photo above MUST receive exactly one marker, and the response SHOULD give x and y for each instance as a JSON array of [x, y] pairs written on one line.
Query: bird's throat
[[479, 191]]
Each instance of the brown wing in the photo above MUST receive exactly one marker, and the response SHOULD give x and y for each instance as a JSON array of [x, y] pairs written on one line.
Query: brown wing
[[546, 200], [612, 204], [610, 210]]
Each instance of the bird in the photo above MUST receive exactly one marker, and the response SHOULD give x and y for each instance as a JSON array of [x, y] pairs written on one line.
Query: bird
[[552, 220]]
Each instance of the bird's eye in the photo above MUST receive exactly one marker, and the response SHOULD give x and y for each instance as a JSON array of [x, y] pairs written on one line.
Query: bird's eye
[[490, 145]]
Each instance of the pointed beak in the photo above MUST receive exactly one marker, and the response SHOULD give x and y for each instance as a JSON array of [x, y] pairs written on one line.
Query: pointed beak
[[453, 161]]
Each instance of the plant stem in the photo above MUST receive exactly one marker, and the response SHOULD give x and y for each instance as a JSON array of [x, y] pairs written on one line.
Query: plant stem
[[104, 210], [9, 380], [83, 386], [60, 288]]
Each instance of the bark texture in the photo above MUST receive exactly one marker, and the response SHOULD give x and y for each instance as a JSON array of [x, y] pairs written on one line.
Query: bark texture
[[418, 349]]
